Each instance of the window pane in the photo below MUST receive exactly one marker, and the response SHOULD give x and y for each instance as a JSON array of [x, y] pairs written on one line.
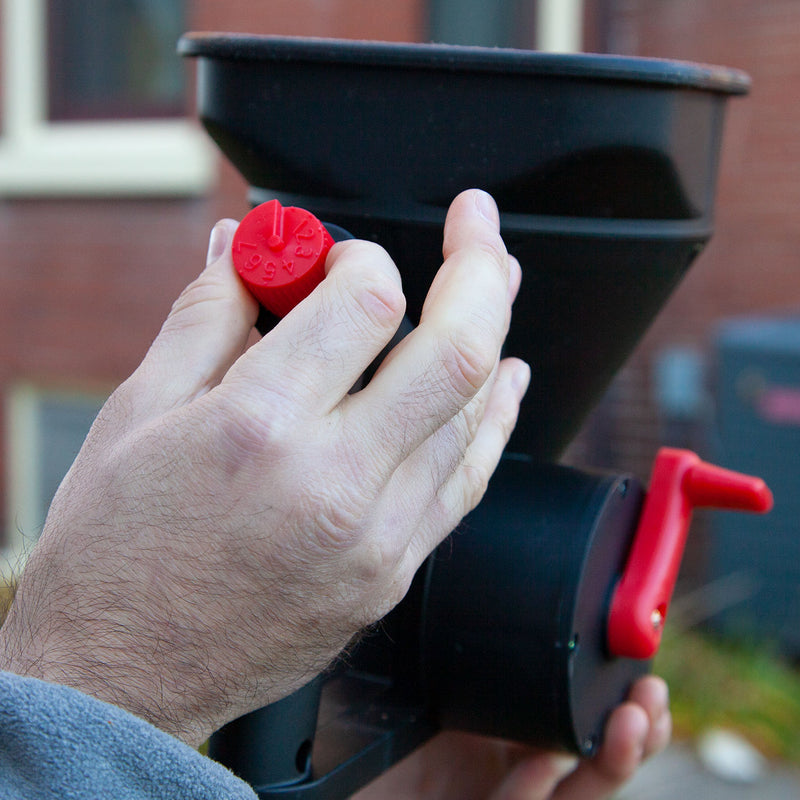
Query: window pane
[[45, 430], [63, 425], [115, 59], [487, 23]]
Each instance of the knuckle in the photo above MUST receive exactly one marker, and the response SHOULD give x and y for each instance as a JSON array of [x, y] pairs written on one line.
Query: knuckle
[[488, 251], [337, 519], [376, 562], [246, 437], [368, 276], [366, 564], [376, 301], [206, 289], [335, 504], [469, 355], [383, 597], [475, 481], [376, 572], [470, 416], [494, 249]]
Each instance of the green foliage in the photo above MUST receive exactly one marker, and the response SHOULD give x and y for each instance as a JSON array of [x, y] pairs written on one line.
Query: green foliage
[[742, 687]]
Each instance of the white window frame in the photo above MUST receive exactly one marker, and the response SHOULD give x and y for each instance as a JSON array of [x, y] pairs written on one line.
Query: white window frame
[[23, 485], [107, 158], [559, 26], [25, 489]]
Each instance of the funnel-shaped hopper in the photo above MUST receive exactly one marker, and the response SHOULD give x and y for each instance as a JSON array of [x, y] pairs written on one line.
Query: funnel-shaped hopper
[[604, 169]]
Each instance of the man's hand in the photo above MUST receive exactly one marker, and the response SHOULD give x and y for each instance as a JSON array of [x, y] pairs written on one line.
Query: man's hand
[[467, 767], [235, 516]]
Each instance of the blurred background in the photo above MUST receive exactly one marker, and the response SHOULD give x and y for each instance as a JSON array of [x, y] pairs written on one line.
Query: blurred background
[[108, 189]]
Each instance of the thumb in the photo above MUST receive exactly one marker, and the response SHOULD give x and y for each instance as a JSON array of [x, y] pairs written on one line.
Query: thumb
[[205, 332], [536, 777]]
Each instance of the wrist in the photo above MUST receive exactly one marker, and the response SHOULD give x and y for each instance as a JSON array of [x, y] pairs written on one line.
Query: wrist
[[42, 641]]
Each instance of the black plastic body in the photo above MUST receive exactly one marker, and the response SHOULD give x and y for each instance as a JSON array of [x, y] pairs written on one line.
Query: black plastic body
[[288, 725], [502, 634], [604, 169], [514, 641]]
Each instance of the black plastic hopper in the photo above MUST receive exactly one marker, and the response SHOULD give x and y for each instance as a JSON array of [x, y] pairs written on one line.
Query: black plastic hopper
[[604, 169]]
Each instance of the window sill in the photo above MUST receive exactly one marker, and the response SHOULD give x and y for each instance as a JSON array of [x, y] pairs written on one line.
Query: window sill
[[129, 159]]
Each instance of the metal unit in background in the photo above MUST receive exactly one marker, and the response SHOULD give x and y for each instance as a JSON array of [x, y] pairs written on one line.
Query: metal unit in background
[[755, 562]]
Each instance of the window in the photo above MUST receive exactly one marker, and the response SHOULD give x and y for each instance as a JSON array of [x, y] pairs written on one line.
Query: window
[[134, 40], [551, 25], [45, 430], [94, 100], [502, 23]]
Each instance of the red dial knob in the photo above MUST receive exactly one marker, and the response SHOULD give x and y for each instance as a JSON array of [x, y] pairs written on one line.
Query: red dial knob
[[280, 252]]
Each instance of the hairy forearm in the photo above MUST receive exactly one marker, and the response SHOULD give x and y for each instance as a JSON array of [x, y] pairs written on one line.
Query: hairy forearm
[[108, 645]]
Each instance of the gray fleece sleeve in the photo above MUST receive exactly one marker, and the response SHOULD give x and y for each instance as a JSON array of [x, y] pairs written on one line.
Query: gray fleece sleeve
[[59, 744]]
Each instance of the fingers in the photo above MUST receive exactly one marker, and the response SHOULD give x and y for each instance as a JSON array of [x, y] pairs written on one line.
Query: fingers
[[553, 777], [651, 694], [535, 778], [468, 448], [471, 443], [205, 332], [467, 484], [446, 478], [436, 371], [637, 729], [316, 354]]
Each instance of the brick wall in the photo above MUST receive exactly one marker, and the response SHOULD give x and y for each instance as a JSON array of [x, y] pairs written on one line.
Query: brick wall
[[400, 20], [753, 262], [84, 284]]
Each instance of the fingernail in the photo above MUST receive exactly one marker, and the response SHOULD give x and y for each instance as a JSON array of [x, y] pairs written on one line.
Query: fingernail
[[217, 243], [487, 207], [641, 736], [564, 765], [521, 379], [514, 279]]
